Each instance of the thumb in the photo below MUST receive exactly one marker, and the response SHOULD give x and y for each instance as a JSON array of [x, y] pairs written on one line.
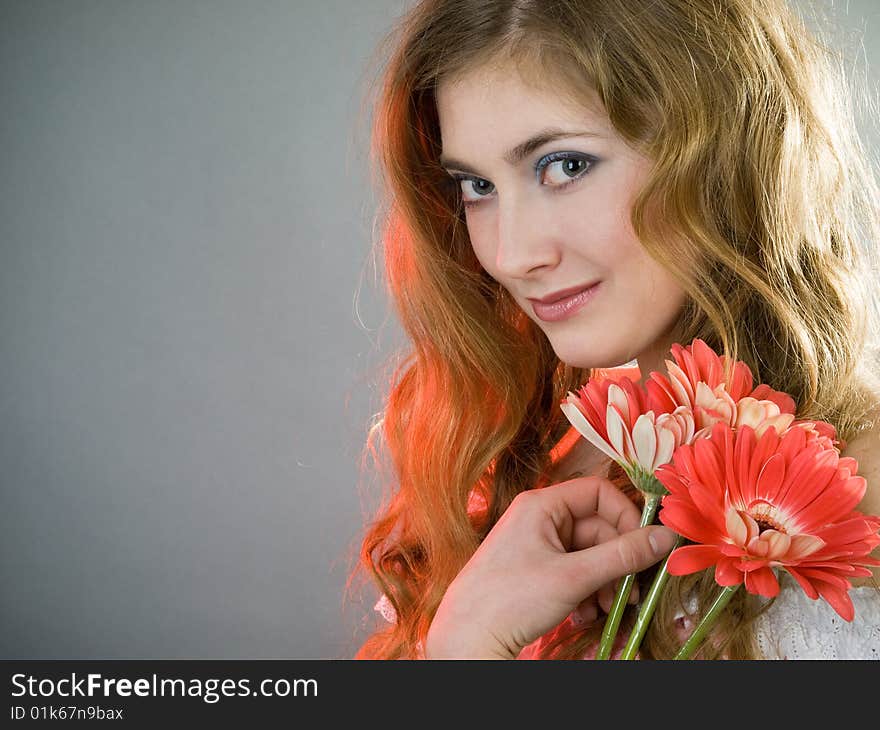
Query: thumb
[[629, 553]]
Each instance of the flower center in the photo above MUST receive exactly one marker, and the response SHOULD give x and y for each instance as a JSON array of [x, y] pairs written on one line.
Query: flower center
[[766, 523], [765, 514]]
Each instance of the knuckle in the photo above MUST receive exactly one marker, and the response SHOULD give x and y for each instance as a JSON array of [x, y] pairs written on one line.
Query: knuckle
[[525, 499], [600, 481], [590, 481], [629, 553]]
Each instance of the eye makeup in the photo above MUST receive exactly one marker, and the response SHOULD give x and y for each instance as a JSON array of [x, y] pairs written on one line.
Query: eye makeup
[[545, 162]]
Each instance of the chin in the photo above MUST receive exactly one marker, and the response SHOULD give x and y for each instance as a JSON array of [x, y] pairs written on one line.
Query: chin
[[582, 357]]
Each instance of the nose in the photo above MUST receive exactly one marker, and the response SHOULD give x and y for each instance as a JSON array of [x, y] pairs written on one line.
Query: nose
[[526, 238]]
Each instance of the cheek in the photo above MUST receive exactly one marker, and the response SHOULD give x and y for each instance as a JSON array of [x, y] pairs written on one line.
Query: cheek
[[481, 243], [660, 293]]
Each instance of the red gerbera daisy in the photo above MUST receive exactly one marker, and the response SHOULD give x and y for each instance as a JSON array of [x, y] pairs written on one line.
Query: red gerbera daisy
[[779, 501]]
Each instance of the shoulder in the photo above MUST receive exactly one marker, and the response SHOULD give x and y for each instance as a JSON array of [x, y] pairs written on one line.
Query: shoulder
[[865, 449]]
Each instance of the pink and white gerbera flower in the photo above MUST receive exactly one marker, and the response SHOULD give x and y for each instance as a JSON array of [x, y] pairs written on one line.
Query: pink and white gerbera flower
[[696, 379], [617, 418]]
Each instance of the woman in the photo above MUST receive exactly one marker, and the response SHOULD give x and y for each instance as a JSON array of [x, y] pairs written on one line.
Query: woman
[[673, 171]]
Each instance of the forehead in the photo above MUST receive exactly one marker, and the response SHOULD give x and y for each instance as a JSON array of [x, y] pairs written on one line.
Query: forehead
[[493, 102]]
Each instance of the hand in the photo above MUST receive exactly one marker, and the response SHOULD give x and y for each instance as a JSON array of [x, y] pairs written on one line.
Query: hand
[[552, 550]]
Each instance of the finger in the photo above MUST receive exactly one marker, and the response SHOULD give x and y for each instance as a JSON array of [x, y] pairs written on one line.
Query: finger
[[586, 612], [605, 596], [634, 593], [608, 561], [587, 496], [607, 593], [591, 531]]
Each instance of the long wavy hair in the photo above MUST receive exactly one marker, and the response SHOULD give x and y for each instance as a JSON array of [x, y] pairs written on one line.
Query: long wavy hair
[[762, 202]]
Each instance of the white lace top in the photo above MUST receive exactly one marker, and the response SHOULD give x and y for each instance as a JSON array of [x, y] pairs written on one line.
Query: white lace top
[[797, 627]]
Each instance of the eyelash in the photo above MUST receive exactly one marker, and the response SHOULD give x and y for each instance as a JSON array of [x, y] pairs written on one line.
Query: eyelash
[[540, 165]]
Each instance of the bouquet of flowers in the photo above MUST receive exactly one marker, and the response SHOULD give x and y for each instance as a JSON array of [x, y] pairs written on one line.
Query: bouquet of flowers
[[749, 489]]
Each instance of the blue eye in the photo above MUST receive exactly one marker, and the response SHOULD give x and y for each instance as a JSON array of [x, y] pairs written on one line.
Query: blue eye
[[476, 185], [570, 166], [562, 168]]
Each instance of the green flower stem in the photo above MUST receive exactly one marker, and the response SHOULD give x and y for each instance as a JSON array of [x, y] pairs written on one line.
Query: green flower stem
[[699, 633], [646, 612], [612, 622]]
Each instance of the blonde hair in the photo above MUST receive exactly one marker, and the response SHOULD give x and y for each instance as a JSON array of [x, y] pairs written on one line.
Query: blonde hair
[[762, 202]]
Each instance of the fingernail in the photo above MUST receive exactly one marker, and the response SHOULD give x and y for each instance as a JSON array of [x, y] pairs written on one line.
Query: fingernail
[[661, 541]]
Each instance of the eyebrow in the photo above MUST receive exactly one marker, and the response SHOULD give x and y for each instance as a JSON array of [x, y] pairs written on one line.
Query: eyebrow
[[517, 154]]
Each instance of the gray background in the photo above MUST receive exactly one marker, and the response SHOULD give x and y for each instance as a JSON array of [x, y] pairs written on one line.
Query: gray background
[[191, 324]]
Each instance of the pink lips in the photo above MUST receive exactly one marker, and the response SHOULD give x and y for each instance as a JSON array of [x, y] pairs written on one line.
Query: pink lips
[[562, 308]]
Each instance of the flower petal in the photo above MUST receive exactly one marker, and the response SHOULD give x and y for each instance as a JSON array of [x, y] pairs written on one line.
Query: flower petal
[[765, 447], [741, 381], [803, 546], [727, 573], [838, 599], [737, 527], [783, 400], [617, 397], [645, 441], [778, 543], [803, 582], [710, 469], [681, 386], [770, 478], [808, 475], [742, 483], [832, 504], [681, 517], [583, 427], [691, 559], [762, 582], [661, 397], [618, 435], [666, 443]]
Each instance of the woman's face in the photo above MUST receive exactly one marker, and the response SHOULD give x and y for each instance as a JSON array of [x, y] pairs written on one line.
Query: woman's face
[[548, 214]]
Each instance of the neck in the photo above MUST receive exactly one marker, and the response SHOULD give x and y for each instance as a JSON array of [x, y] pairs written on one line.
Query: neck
[[654, 358], [652, 363]]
